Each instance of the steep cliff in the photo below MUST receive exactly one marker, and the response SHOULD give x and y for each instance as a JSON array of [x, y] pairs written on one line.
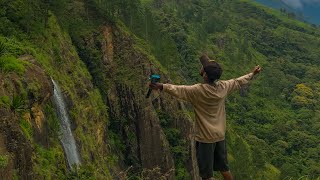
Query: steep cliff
[[29, 123], [133, 118]]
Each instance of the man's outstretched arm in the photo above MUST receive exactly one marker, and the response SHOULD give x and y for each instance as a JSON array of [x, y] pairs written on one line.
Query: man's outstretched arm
[[186, 93], [234, 84]]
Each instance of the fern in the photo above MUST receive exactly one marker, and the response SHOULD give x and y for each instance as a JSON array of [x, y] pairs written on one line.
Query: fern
[[17, 104]]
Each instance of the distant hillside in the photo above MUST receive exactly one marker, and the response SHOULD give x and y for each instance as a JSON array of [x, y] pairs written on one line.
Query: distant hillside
[[310, 10]]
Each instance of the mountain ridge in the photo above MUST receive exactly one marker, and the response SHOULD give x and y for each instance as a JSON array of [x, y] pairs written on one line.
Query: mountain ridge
[[307, 12]]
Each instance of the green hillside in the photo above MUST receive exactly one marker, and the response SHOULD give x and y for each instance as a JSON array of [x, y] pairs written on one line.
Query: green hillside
[[278, 114], [101, 53]]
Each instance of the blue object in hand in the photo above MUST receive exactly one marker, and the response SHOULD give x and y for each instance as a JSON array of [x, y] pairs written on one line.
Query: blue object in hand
[[154, 78]]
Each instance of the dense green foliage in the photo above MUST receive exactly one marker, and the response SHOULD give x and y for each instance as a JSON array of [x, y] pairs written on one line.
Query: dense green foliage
[[273, 124]]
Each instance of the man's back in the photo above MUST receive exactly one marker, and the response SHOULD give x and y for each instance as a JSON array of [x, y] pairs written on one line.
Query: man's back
[[209, 105]]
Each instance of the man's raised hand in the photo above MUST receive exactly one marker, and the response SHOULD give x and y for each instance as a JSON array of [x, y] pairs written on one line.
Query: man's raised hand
[[256, 70]]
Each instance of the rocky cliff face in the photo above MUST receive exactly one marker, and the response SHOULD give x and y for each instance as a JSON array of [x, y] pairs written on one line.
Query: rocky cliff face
[[133, 117]]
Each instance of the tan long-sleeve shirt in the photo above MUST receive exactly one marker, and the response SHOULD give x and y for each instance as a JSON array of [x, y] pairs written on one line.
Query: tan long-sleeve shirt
[[209, 105]]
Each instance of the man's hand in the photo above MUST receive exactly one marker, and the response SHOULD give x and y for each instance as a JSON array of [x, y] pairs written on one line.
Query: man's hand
[[156, 86], [256, 70]]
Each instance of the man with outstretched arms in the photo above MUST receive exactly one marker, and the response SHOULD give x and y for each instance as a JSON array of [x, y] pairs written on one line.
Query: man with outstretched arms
[[208, 100]]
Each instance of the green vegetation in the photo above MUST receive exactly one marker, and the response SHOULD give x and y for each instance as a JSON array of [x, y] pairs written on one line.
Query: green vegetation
[[26, 128], [9, 50], [53, 122], [2, 49], [49, 163], [3, 161], [16, 104], [5, 101], [177, 145], [10, 63]]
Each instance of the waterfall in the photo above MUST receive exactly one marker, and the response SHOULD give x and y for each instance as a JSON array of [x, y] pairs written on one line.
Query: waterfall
[[66, 137]]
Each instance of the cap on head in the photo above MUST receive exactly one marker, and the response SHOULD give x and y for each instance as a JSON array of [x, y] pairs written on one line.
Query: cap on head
[[211, 67]]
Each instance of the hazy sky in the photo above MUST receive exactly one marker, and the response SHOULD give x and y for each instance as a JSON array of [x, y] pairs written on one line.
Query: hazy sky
[[299, 4]]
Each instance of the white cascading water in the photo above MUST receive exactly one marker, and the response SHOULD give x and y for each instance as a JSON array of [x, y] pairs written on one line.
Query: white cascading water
[[66, 136]]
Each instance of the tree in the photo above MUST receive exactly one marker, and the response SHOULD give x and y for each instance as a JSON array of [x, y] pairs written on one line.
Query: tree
[[302, 96], [242, 166]]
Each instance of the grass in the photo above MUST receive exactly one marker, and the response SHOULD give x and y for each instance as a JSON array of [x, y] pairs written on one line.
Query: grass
[[5, 101], [9, 63], [26, 128], [3, 161], [49, 163]]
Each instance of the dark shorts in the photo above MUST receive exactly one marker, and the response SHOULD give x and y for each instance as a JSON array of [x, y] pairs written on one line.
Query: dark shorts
[[211, 157]]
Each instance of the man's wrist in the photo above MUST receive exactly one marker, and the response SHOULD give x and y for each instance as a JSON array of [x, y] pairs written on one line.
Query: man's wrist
[[160, 86]]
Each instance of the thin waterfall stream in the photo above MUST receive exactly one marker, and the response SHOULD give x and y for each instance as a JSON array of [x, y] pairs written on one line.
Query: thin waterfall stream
[[66, 137]]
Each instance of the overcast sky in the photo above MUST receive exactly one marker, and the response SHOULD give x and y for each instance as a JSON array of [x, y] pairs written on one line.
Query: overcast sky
[[299, 4]]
